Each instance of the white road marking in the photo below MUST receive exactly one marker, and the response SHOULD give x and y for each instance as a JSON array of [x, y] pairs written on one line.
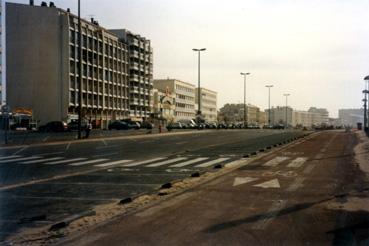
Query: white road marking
[[273, 211], [298, 162], [112, 163], [104, 142], [143, 162], [297, 184], [9, 157], [43, 160], [47, 137], [64, 161], [275, 161], [243, 180], [182, 164], [21, 159], [274, 183], [213, 162], [87, 162], [20, 150], [67, 147], [166, 162]]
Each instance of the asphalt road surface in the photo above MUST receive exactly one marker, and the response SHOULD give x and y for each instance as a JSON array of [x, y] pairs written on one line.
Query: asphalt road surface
[[46, 183], [296, 196]]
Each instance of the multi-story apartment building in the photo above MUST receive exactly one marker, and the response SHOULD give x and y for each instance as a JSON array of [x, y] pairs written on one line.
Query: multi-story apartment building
[[321, 115], [141, 73], [208, 104], [184, 94], [44, 71], [302, 118]]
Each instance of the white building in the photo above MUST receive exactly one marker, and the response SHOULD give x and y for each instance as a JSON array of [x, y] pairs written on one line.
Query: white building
[[208, 104], [278, 115]]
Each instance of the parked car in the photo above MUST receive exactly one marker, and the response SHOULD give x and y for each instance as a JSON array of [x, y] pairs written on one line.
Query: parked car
[[118, 125], [132, 124], [73, 125], [175, 125], [54, 126], [147, 125]]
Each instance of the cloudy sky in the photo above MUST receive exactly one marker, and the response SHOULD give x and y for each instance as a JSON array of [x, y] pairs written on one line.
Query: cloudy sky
[[318, 51]]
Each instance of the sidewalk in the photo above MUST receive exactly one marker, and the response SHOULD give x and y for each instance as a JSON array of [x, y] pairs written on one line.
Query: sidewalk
[[311, 193]]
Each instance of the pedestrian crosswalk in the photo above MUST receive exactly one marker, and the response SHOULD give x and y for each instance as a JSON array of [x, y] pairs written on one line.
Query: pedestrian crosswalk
[[197, 162]]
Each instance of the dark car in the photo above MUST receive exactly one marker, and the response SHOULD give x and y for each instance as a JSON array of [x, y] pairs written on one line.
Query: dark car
[[118, 125], [54, 126], [176, 125], [147, 125], [132, 124], [73, 125]]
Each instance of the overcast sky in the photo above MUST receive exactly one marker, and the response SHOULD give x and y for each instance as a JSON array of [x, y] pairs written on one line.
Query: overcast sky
[[318, 51]]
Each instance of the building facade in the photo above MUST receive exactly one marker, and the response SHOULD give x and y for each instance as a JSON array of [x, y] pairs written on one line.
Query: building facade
[[350, 117], [141, 73], [184, 94], [208, 104], [279, 115], [163, 106], [44, 71], [320, 116]]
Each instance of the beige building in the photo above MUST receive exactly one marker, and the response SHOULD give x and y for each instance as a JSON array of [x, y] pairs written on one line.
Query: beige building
[[184, 94], [163, 105], [302, 118], [44, 72], [279, 114], [208, 104]]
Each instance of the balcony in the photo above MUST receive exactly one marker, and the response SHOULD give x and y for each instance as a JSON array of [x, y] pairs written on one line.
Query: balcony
[[134, 66], [135, 89], [134, 54], [134, 77]]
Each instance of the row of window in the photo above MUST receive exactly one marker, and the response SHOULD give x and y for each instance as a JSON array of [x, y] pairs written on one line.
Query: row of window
[[185, 114], [98, 101], [183, 105], [185, 88], [183, 97]]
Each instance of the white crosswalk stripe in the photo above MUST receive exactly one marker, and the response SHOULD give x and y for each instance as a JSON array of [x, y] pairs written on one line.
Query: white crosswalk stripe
[[166, 162], [298, 162], [186, 163], [21, 159], [42, 160], [87, 162], [65, 161], [144, 162], [9, 157], [108, 164], [275, 161], [213, 162]]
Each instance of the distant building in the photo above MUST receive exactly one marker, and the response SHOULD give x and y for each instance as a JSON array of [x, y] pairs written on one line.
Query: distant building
[[303, 118], [208, 104], [234, 113], [184, 94], [321, 116], [350, 117], [279, 114]]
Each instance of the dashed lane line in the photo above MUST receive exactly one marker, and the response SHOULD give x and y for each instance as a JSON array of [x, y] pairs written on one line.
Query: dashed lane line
[[275, 161], [20, 150], [298, 162], [21, 159], [9, 157], [108, 164], [272, 213]]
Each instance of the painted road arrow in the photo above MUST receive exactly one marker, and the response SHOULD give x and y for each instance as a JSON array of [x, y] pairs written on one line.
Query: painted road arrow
[[274, 183], [243, 180]]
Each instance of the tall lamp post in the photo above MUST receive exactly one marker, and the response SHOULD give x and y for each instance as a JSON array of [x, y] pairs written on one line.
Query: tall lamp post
[[199, 88], [269, 86], [245, 120], [366, 91], [80, 71], [286, 124]]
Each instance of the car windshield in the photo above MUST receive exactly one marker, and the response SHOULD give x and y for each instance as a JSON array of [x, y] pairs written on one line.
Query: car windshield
[[184, 122]]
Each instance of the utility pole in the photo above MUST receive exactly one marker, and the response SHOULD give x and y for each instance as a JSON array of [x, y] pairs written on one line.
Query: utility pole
[[245, 118], [269, 86], [366, 91]]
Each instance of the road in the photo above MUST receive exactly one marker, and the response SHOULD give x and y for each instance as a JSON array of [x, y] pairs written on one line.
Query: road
[[46, 183], [311, 193]]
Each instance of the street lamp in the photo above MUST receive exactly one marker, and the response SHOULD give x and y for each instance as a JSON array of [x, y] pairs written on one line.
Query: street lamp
[[286, 95], [269, 86], [366, 125], [199, 89], [245, 123], [80, 71]]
